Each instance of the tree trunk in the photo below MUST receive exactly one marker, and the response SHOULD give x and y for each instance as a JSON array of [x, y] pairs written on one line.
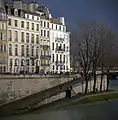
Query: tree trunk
[[107, 83], [94, 77], [101, 78], [86, 85], [107, 80]]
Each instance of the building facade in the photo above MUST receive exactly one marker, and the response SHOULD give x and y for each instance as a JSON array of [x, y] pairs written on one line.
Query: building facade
[[3, 39], [60, 46], [23, 41], [34, 41]]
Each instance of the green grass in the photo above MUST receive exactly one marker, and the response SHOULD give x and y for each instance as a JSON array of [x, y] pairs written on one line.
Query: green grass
[[91, 99], [99, 97]]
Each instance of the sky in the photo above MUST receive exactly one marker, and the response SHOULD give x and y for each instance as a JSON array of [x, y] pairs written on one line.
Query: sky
[[76, 11]]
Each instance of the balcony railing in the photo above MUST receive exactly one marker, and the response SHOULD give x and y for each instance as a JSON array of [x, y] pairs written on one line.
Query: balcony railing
[[46, 47], [45, 43], [45, 56], [45, 64], [59, 62], [60, 49], [59, 39]]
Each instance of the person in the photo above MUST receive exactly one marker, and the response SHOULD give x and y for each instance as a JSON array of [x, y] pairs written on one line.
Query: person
[[68, 92]]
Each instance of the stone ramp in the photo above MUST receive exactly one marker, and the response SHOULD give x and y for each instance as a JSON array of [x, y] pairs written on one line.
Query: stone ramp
[[34, 99]]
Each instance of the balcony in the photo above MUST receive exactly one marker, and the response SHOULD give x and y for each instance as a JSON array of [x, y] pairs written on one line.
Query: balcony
[[59, 39], [59, 49], [45, 43], [34, 57], [59, 62], [45, 64], [45, 56]]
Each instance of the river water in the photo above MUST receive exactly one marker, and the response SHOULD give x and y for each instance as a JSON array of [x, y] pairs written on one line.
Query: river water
[[96, 111]]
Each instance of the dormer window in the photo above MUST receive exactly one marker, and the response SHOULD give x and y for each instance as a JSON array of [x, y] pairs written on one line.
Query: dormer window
[[27, 16], [16, 12], [32, 17], [9, 11], [22, 14]]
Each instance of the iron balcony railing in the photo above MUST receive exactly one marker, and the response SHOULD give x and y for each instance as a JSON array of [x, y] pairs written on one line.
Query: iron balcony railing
[[59, 62], [45, 56], [45, 64]]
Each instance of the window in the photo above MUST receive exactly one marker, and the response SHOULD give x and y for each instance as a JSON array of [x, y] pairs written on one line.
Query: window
[[44, 33], [52, 57], [64, 47], [10, 62], [22, 37], [9, 22], [33, 17], [16, 36], [16, 62], [32, 26], [27, 37], [0, 60], [27, 51], [1, 36], [5, 48], [10, 49], [60, 57], [22, 24], [56, 67], [53, 67], [22, 62], [5, 59], [41, 32], [22, 50], [28, 62], [44, 24], [32, 51], [59, 27], [32, 39], [33, 63], [56, 57], [37, 27], [41, 23], [10, 35], [27, 27], [56, 46], [48, 34], [56, 27], [16, 23], [64, 67], [37, 39], [1, 49], [37, 18], [27, 16], [37, 51], [41, 52], [53, 46], [16, 50], [52, 25], [64, 58], [48, 25]]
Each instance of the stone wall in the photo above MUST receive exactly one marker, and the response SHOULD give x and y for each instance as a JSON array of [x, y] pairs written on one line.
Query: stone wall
[[14, 87], [77, 88]]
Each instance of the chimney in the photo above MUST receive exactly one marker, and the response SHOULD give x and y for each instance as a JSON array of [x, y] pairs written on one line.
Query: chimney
[[50, 16], [62, 21]]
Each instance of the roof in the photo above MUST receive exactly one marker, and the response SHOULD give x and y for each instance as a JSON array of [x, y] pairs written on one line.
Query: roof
[[54, 20]]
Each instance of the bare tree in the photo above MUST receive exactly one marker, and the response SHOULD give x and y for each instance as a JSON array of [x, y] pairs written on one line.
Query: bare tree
[[90, 46]]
